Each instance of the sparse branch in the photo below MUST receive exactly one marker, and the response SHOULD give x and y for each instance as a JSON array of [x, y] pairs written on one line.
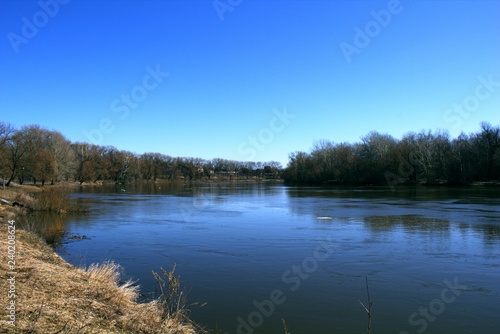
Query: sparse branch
[[369, 308], [285, 328]]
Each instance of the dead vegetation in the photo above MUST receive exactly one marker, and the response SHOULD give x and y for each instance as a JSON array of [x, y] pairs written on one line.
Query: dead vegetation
[[14, 199], [52, 200], [55, 199], [55, 297], [20, 201]]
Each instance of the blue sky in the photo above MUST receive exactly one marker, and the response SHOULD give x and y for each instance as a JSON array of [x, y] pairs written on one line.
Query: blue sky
[[247, 80]]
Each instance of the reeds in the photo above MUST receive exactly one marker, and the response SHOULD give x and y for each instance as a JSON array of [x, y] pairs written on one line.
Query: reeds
[[57, 200], [171, 300], [53, 234]]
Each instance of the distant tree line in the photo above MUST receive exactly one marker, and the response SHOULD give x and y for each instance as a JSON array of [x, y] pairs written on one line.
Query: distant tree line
[[380, 159], [35, 154]]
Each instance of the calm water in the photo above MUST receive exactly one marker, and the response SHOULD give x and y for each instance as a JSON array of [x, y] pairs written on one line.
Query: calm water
[[257, 253]]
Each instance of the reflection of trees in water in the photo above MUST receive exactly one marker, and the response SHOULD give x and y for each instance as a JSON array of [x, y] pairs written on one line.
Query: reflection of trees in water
[[409, 223], [490, 232], [186, 189], [49, 226], [416, 223], [206, 190]]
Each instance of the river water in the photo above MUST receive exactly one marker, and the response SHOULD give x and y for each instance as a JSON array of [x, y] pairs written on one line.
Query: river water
[[257, 253]]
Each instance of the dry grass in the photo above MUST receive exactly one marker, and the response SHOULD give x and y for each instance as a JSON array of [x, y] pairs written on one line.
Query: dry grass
[[12, 194], [53, 234], [172, 301], [17, 194], [24, 199], [55, 199], [55, 297], [50, 198]]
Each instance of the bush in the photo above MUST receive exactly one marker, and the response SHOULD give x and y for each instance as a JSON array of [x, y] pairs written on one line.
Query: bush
[[56, 200], [53, 233]]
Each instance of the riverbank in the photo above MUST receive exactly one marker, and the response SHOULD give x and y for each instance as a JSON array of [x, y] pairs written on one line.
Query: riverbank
[[48, 295], [178, 181]]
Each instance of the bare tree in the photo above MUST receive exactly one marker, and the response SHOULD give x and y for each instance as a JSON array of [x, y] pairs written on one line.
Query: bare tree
[[487, 143], [64, 156], [6, 132], [462, 164], [21, 152]]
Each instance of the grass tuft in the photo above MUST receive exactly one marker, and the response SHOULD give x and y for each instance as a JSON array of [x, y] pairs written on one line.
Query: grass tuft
[[53, 234], [55, 297], [57, 200]]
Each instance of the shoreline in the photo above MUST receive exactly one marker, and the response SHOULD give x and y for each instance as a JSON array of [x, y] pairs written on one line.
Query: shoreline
[[46, 294]]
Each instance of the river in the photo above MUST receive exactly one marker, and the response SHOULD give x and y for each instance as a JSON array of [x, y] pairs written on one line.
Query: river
[[256, 253]]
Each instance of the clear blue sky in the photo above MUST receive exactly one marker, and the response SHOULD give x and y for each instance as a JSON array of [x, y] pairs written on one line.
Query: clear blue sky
[[84, 64]]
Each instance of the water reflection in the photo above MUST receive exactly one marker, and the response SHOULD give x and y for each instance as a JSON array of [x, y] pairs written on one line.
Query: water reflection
[[233, 242], [185, 188], [408, 223], [491, 232], [420, 209]]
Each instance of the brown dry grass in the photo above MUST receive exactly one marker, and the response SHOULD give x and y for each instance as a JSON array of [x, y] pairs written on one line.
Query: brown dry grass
[[14, 194], [55, 297], [49, 198], [55, 199]]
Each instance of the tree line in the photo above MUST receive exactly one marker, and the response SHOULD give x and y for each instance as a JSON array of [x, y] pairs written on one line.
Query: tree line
[[379, 159], [38, 155], [35, 154]]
